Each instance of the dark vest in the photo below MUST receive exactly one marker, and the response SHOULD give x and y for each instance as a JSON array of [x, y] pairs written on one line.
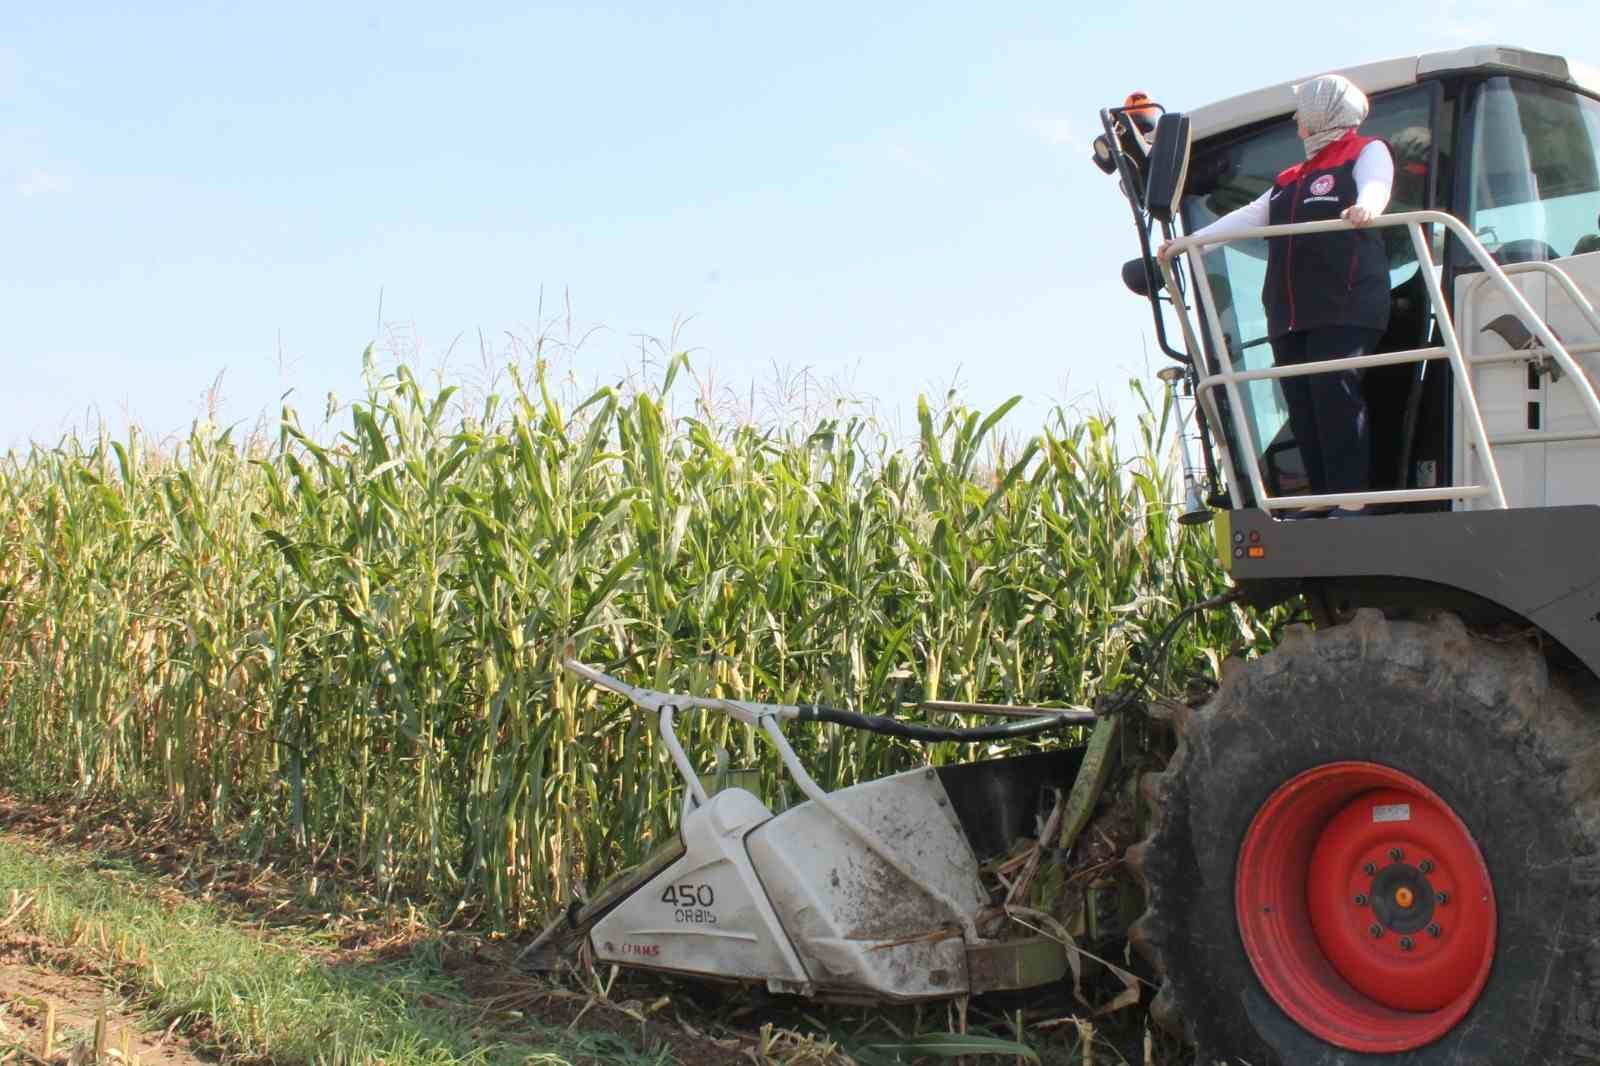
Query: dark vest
[[1324, 279]]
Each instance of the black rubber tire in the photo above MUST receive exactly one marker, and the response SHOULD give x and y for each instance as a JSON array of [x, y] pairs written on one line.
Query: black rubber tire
[[1513, 752]]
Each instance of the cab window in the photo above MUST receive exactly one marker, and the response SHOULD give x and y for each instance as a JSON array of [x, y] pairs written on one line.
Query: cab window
[[1534, 180]]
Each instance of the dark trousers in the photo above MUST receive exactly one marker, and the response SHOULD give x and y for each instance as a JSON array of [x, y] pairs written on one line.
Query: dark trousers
[[1327, 412]]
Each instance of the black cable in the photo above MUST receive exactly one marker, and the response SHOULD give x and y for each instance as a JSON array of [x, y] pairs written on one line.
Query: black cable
[[1134, 693], [893, 727]]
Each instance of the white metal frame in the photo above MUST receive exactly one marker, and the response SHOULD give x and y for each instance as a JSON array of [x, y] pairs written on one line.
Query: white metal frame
[[1193, 248]]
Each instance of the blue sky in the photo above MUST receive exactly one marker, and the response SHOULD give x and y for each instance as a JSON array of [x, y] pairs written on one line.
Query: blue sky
[[890, 197]]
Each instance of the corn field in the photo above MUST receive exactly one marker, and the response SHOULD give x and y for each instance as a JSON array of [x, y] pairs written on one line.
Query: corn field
[[348, 641]]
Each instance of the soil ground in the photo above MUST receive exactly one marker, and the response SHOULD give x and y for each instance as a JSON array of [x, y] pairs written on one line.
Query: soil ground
[[346, 927], [43, 984], [187, 864], [38, 989]]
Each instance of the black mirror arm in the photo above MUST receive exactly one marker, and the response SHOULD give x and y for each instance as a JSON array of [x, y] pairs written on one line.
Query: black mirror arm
[[1214, 487], [1132, 184]]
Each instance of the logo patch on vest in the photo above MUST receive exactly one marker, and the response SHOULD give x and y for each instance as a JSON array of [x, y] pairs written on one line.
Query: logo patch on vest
[[1322, 186]]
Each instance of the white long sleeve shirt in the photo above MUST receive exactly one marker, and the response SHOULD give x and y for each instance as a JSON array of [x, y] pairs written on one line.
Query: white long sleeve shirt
[[1374, 175]]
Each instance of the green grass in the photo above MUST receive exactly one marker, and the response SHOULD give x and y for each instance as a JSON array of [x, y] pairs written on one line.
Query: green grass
[[256, 999], [347, 643]]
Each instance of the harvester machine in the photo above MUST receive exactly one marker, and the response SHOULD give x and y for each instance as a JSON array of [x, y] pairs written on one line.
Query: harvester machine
[[1377, 842]]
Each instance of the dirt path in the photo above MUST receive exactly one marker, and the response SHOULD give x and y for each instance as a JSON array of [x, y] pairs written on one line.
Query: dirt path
[[640, 1014], [35, 994]]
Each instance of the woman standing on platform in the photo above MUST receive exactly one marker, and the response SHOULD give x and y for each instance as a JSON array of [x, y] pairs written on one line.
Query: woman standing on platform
[[1326, 294]]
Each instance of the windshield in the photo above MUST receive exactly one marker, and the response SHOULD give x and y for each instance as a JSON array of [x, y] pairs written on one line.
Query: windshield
[[1224, 177], [1535, 186]]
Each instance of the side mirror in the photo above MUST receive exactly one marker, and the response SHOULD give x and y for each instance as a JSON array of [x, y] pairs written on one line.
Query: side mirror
[[1169, 167], [1137, 281]]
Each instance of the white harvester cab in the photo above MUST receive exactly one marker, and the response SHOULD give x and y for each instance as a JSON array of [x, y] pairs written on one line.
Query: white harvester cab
[[1488, 401]]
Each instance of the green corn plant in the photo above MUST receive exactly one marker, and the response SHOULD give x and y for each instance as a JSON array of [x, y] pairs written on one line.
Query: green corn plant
[[348, 641]]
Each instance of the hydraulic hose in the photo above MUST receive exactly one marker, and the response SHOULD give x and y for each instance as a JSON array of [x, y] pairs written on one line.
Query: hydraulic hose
[[893, 727], [1133, 693]]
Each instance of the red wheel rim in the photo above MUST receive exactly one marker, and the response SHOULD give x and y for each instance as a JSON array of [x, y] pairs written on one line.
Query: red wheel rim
[[1365, 907]]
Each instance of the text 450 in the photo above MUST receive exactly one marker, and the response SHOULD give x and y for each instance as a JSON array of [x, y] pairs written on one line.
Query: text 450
[[689, 895]]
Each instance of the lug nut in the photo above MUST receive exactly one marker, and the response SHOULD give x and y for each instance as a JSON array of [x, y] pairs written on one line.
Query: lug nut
[[1426, 866], [1406, 943], [1395, 854], [1370, 869], [1375, 929], [1443, 897], [1434, 930], [1361, 899]]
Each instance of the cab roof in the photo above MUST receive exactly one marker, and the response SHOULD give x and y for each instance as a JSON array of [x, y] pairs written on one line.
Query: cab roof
[[1387, 74]]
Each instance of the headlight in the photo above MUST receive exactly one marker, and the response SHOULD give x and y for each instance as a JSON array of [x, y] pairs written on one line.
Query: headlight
[[1102, 155]]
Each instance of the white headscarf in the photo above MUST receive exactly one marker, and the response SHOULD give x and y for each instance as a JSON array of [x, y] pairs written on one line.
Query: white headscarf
[[1328, 107]]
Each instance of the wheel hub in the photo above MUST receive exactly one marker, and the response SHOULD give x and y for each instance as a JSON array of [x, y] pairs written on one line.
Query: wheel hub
[[1403, 899], [1365, 907]]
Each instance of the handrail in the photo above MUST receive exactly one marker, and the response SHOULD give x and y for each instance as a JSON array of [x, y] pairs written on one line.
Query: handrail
[[1563, 279], [1193, 247], [1357, 362], [1545, 436], [1532, 351], [1586, 390]]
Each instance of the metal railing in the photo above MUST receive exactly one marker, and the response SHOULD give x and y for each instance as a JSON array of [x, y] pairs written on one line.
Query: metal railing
[[1564, 281], [1229, 380]]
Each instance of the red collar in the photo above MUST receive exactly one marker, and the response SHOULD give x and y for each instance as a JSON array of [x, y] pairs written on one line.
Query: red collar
[[1338, 147], [1342, 151]]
